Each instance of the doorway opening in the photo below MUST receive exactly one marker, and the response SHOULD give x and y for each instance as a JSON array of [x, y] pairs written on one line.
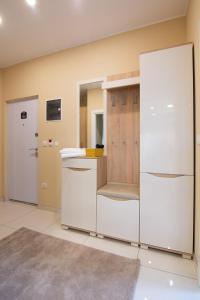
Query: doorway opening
[[97, 128]]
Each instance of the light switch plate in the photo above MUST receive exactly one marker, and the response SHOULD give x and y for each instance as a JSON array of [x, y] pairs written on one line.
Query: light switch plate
[[44, 185]]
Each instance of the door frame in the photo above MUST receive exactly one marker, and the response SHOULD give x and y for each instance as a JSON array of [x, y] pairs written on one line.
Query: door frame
[[5, 152], [94, 114], [77, 108]]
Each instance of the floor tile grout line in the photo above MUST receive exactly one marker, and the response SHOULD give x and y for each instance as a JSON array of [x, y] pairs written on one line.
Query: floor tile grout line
[[20, 205], [138, 253], [168, 272], [155, 268], [22, 216], [55, 223], [79, 242], [48, 226], [6, 225], [16, 219], [137, 256]]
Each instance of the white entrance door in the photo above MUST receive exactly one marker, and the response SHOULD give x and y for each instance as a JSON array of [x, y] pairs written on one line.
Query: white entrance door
[[22, 150]]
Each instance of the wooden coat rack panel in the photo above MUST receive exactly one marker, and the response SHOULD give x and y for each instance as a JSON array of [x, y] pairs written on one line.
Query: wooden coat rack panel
[[123, 135]]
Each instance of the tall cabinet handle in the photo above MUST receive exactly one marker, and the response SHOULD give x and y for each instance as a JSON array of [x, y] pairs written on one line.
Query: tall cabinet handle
[[165, 175], [78, 169]]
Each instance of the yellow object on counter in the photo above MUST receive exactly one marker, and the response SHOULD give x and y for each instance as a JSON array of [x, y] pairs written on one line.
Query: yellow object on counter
[[94, 152]]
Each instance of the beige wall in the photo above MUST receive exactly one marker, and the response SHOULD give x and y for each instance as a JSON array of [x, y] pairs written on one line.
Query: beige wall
[[56, 75], [1, 137], [193, 35], [94, 102]]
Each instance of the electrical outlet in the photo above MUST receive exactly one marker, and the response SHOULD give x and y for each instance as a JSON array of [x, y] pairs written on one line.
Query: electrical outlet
[[44, 185]]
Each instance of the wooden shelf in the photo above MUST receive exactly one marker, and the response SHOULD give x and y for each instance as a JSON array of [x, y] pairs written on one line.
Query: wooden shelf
[[120, 190]]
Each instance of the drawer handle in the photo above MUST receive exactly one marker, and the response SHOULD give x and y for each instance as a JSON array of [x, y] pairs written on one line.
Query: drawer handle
[[119, 199], [78, 169], [166, 175]]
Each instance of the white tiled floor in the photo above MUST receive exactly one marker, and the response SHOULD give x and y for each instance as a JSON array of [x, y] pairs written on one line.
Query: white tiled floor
[[162, 276]]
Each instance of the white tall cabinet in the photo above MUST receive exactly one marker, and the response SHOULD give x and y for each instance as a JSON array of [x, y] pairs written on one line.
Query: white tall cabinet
[[167, 150]]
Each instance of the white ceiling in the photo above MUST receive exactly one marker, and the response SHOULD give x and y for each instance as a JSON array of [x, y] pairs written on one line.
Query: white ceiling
[[54, 25]]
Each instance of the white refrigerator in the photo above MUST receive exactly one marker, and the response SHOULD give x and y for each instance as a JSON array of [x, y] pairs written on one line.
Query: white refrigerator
[[167, 149]]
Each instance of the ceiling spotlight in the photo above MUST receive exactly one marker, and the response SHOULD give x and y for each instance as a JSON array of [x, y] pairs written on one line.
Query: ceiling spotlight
[[170, 105], [149, 262], [31, 2], [171, 283], [1, 20]]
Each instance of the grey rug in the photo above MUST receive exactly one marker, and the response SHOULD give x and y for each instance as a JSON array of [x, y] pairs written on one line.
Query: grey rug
[[37, 266]]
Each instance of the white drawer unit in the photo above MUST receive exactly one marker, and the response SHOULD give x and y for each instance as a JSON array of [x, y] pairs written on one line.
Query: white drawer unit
[[118, 218], [80, 179]]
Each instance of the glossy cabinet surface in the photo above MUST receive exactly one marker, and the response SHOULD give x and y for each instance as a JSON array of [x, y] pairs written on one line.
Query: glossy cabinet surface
[[167, 149], [118, 218], [166, 212], [166, 105], [79, 186]]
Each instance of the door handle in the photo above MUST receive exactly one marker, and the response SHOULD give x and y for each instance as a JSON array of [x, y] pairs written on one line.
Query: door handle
[[118, 199], [35, 151], [165, 175], [78, 169]]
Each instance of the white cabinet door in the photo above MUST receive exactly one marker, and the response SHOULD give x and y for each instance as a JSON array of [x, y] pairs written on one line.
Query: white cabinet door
[[79, 198], [166, 95], [118, 218], [166, 212]]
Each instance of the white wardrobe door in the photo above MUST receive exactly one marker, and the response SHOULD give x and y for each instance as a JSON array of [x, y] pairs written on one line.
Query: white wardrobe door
[[79, 198], [166, 212], [167, 111]]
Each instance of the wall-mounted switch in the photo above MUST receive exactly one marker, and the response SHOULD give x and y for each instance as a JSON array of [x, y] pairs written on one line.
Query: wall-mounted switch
[[56, 143], [50, 143], [44, 143], [44, 185]]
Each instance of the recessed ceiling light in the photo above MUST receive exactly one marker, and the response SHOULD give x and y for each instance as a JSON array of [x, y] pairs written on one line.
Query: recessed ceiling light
[[31, 2], [170, 105], [1, 20], [171, 283]]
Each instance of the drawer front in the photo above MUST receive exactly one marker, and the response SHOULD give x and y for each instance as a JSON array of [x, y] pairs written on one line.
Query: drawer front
[[166, 211], [118, 218], [80, 163], [79, 198]]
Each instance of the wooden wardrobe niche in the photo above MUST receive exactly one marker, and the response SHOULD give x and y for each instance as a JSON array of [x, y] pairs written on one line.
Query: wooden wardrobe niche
[[123, 109]]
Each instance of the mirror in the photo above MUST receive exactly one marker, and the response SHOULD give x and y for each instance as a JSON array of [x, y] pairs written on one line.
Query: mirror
[[91, 115]]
